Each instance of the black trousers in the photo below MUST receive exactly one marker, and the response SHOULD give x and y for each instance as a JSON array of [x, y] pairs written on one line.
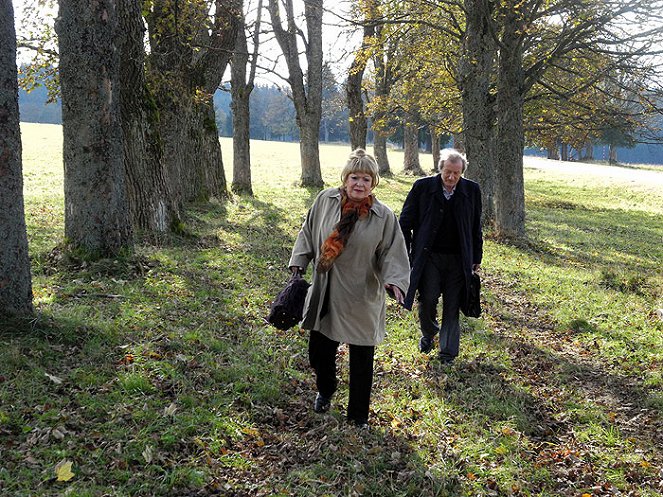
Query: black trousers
[[322, 356], [442, 275]]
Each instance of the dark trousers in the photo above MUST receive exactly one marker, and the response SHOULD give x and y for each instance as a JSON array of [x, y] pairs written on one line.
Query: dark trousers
[[322, 356], [442, 275]]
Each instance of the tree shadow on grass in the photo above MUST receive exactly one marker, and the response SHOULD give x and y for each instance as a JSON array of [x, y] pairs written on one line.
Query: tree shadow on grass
[[295, 451], [542, 345], [203, 260], [595, 237], [44, 365], [481, 393], [534, 402], [623, 396]]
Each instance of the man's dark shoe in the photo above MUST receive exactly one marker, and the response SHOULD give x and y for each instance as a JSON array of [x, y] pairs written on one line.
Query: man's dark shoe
[[425, 344], [321, 404], [445, 360]]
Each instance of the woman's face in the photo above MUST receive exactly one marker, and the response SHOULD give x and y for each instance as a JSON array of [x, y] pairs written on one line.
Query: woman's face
[[358, 185]]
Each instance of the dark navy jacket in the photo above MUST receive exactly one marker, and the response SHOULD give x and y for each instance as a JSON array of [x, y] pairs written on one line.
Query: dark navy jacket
[[421, 218]]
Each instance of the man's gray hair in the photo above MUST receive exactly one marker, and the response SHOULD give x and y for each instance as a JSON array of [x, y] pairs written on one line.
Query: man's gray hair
[[452, 155]]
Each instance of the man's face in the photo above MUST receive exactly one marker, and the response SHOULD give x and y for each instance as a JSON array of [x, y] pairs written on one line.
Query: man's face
[[451, 173]]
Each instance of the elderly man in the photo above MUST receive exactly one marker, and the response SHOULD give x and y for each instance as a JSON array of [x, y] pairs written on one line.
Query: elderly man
[[441, 221]]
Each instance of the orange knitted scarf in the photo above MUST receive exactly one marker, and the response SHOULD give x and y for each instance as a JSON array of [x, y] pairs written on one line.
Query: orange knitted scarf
[[351, 212]]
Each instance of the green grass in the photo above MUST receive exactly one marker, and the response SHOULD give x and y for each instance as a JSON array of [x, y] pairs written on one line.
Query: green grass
[[155, 373]]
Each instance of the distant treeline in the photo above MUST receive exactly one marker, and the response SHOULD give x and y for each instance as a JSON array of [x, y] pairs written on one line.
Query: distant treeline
[[272, 114], [273, 118], [34, 108]]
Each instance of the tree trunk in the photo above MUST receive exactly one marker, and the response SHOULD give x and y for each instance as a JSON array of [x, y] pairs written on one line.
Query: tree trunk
[[612, 153], [435, 147], [589, 151], [212, 65], [15, 278], [411, 150], [241, 93], [96, 210], [306, 95], [356, 115], [187, 63], [213, 175], [458, 142], [309, 151], [565, 151], [380, 153], [475, 66], [151, 207], [510, 194], [383, 82], [553, 152], [189, 132]]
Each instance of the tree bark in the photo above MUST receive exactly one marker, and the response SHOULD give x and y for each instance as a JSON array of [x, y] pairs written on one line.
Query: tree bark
[[612, 153], [309, 135], [212, 173], [187, 63], [96, 210], [553, 152], [476, 64], [241, 89], [380, 153], [435, 146], [458, 142], [239, 105], [411, 150], [565, 151], [383, 83], [357, 117], [15, 278], [510, 142], [306, 95], [151, 207]]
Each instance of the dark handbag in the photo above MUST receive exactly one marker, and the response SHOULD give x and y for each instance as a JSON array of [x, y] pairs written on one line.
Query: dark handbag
[[471, 307], [288, 307]]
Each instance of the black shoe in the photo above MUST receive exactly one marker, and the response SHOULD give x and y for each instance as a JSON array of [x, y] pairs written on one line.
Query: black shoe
[[321, 404], [358, 423], [445, 360], [425, 344]]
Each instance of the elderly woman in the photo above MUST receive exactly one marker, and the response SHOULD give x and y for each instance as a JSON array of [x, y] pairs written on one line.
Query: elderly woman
[[359, 254]]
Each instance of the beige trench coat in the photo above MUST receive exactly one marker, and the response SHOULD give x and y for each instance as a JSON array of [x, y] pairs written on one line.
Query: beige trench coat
[[374, 255]]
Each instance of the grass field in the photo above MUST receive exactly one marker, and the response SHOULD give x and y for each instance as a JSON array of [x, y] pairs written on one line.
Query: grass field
[[155, 374]]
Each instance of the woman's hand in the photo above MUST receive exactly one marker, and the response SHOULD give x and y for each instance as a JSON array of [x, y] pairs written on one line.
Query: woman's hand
[[395, 292]]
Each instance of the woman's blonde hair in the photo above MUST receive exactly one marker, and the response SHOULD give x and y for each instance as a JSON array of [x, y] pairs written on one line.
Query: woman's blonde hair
[[361, 162]]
